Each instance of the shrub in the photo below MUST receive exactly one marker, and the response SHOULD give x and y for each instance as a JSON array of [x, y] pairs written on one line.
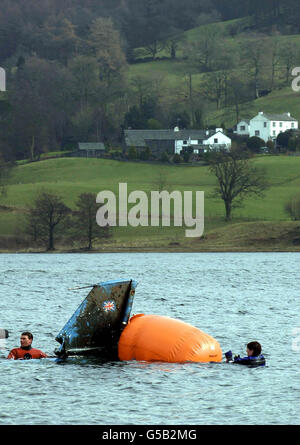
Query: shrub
[[177, 158], [164, 157], [146, 154], [255, 143], [132, 153]]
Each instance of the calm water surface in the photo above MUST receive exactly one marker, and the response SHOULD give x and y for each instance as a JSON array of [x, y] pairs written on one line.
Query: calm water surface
[[235, 297]]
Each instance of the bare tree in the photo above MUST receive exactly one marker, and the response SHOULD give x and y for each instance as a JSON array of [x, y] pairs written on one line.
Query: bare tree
[[214, 87], [161, 181], [237, 178], [147, 86], [203, 53], [105, 41], [48, 214], [237, 93], [173, 42], [274, 59], [288, 56], [254, 54], [86, 226], [85, 74], [154, 47]]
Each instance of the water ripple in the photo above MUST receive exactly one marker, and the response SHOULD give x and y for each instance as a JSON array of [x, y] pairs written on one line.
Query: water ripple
[[233, 297]]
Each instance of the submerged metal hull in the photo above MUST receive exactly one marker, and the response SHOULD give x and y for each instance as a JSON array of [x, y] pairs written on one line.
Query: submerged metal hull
[[96, 325]]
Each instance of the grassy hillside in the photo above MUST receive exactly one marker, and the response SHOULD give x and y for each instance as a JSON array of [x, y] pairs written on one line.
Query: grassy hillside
[[69, 177], [279, 101], [172, 74]]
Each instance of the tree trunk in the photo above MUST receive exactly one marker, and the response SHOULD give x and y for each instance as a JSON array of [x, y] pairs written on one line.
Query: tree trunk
[[228, 210], [32, 148], [51, 239], [90, 235], [191, 99], [237, 111]]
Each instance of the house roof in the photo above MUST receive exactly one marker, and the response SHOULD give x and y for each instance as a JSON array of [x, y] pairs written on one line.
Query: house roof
[[244, 120], [216, 133], [279, 117], [91, 146]]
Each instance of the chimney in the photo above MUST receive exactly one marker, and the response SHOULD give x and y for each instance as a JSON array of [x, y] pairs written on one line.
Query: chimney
[[176, 129], [261, 113]]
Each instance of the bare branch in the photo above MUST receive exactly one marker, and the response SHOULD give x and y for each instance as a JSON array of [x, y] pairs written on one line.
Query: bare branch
[[237, 178]]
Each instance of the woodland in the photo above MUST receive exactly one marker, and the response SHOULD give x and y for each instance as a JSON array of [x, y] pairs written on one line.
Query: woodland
[[69, 66]]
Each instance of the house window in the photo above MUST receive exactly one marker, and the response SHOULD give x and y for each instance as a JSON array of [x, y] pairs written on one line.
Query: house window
[[184, 142], [274, 124], [292, 125], [274, 133], [215, 140], [280, 124], [265, 124], [257, 132], [242, 128]]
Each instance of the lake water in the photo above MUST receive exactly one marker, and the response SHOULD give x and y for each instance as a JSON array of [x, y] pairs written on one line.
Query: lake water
[[235, 297]]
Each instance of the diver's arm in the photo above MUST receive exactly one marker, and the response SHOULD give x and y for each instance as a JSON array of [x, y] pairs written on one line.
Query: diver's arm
[[13, 354], [228, 356]]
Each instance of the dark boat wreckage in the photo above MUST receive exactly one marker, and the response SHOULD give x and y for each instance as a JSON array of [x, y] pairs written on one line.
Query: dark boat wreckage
[[101, 326], [95, 327]]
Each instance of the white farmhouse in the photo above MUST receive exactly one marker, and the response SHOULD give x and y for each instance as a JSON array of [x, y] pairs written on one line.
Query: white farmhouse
[[218, 140], [243, 127], [202, 140], [174, 141], [267, 126]]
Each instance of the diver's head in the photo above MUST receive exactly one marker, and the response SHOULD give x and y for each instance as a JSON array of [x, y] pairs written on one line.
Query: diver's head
[[253, 348]]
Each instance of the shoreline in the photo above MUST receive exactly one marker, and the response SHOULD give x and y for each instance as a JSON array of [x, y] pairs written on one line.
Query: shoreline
[[288, 249], [256, 236]]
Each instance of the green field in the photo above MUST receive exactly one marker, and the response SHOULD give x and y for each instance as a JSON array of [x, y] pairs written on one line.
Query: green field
[[69, 177]]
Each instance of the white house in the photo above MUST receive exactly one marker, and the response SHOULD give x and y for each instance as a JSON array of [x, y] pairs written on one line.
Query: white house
[[218, 141], [174, 141], [202, 140], [243, 127], [267, 126]]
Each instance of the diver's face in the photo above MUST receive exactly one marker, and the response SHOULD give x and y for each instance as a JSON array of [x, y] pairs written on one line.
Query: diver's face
[[25, 341], [249, 352]]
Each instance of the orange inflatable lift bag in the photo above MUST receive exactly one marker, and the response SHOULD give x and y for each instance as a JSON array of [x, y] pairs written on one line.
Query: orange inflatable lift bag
[[160, 338]]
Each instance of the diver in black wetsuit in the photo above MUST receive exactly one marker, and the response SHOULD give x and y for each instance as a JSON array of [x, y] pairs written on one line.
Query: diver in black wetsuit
[[254, 356]]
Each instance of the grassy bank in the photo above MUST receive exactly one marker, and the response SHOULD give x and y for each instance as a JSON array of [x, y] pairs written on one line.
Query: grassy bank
[[263, 236], [69, 177]]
